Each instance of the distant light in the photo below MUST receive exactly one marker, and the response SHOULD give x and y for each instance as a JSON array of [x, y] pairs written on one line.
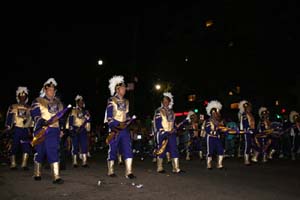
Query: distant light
[[100, 62], [278, 116], [192, 97], [186, 59], [185, 113], [196, 110], [283, 110], [209, 23], [205, 103], [230, 93], [234, 106], [277, 103], [157, 86], [178, 114]]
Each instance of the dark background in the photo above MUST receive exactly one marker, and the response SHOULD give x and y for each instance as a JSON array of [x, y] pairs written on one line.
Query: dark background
[[250, 45]]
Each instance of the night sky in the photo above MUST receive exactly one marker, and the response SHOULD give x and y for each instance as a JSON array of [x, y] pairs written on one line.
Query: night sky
[[161, 42]]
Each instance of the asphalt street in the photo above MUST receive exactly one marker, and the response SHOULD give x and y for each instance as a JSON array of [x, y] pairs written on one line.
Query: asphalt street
[[277, 179]]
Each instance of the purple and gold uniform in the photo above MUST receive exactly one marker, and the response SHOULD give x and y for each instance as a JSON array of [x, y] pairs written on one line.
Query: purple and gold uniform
[[194, 142], [247, 124], [118, 119], [213, 141], [165, 133], [277, 131], [79, 125], [262, 140], [43, 109], [19, 120]]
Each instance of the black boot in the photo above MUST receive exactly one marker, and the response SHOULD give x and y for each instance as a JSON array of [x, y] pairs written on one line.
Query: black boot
[[37, 178], [130, 176], [58, 181]]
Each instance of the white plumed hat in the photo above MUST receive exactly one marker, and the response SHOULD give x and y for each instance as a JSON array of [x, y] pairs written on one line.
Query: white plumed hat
[[78, 97], [21, 90], [242, 105], [113, 82], [213, 104], [50, 81], [261, 110], [169, 95], [292, 116]]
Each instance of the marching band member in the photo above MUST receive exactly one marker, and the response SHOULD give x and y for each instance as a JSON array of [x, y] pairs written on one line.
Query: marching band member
[[79, 126], [165, 133], [43, 109], [277, 132], [213, 133], [118, 119], [194, 143], [247, 124], [18, 120], [261, 138]]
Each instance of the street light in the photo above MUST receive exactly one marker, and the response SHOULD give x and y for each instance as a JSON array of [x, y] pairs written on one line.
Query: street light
[[100, 62], [209, 23], [157, 86], [98, 79]]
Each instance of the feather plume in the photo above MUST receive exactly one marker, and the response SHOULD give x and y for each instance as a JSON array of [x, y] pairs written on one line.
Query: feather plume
[[50, 80], [213, 104], [21, 90], [78, 97], [168, 94], [261, 110], [241, 106], [292, 116], [113, 82]]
